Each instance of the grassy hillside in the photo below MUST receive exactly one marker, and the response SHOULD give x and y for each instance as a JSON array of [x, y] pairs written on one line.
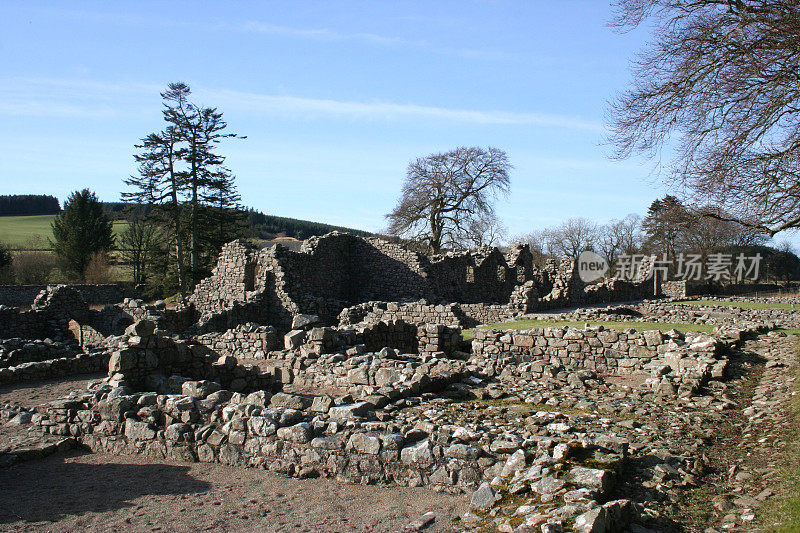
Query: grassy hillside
[[18, 232]]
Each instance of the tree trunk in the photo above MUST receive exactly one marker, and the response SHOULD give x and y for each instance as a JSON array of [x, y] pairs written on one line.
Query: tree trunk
[[194, 239]]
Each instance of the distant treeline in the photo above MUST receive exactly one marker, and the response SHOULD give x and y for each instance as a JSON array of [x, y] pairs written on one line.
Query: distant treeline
[[121, 210], [265, 226], [28, 205]]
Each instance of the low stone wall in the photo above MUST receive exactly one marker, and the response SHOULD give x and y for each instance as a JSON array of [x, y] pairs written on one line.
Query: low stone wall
[[248, 341], [438, 338], [601, 350], [452, 314], [308, 439], [484, 314], [33, 324], [677, 365], [56, 368], [410, 312], [141, 360], [683, 288], [17, 351], [725, 313], [397, 334], [93, 294], [386, 372]]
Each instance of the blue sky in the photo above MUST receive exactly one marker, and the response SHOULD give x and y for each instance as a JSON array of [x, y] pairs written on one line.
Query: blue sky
[[335, 98]]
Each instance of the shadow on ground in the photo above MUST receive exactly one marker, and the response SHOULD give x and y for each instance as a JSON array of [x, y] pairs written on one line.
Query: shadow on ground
[[50, 489]]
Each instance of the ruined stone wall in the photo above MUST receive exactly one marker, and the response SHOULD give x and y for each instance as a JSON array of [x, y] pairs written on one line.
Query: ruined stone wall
[[684, 288], [336, 271], [33, 324], [80, 363], [474, 314], [674, 289], [277, 438], [227, 284], [332, 272], [369, 376], [397, 334], [463, 315], [17, 351], [472, 277], [413, 313], [144, 361], [93, 294], [246, 341]]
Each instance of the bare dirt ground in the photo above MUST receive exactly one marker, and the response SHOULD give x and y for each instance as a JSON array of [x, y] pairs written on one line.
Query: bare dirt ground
[[38, 392], [96, 492], [29, 395]]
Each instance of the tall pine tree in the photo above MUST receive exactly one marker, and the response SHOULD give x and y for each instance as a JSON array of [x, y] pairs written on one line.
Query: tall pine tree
[[181, 173]]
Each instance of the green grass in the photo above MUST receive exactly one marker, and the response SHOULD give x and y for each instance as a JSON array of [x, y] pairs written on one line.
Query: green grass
[[787, 504], [469, 334], [20, 232], [742, 305]]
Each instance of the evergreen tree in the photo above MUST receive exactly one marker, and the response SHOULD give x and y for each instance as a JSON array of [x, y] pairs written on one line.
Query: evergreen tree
[[664, 225], [161, 185], [182, 175], [223, 217], [80, 231]]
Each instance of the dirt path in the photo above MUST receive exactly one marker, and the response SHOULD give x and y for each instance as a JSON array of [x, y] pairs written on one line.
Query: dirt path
[[95, 492]]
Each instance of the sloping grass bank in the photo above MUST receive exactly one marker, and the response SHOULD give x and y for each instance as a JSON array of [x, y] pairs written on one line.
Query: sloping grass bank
[[787, 504]]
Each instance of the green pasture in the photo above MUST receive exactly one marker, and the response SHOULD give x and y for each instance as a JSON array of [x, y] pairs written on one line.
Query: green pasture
[[34, 231]]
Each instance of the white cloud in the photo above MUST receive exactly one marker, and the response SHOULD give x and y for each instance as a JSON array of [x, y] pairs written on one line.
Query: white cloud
[[96, 99], [324, 34], [377, 110]]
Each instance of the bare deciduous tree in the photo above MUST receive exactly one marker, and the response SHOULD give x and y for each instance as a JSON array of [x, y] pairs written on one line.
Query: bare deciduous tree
[[444, 193], [573, 236], [722, 79], [539, 242], [139, 243], [487, 230], [620, 237]]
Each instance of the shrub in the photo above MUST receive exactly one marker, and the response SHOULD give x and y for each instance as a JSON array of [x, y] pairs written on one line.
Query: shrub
[[98, 269], [33, 268]]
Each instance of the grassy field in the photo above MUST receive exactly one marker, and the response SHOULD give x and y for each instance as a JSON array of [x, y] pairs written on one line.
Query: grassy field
[[640, 326], [20, 232], [742, 305]]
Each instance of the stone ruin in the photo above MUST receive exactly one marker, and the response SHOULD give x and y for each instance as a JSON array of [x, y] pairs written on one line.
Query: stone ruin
[[346, 360], [337, 271]]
